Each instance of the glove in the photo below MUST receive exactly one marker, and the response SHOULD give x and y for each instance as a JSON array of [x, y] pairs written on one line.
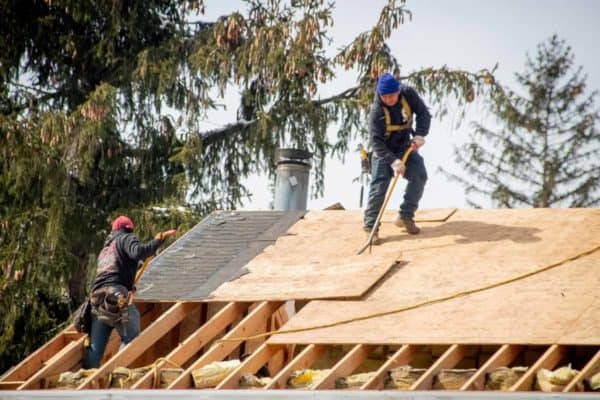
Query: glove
[[419, 141], [166, 234], [398, 167]]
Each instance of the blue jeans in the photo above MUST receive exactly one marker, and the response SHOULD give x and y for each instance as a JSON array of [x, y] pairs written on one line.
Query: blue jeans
[[100, 333], [381, 175]]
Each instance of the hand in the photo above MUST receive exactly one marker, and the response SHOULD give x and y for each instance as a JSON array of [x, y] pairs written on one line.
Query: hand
[[398, 167], [166, 234], [419, 141]]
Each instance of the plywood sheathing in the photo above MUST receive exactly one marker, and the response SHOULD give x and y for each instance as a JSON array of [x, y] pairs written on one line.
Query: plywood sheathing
[[473, 249], [317, 259]]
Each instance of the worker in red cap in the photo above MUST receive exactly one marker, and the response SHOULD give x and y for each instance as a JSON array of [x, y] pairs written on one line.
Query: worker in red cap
[[112, 289]]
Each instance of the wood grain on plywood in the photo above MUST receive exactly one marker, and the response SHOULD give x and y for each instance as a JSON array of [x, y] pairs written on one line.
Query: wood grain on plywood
[[474, 249]]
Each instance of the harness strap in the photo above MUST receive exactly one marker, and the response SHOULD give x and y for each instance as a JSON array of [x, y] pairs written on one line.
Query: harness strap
[[407, 111]]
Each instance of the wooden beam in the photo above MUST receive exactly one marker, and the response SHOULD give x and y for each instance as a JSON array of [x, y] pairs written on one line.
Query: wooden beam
[[30, 365], [140, 344], [590, 369], [345, 366], [548, 360], [65, 359], [50, 359], [449, 359], [196, 340], [71, 335], [305, 359], [10, 385], [247, 326], [250, 365], [401, 357], [501, 358]]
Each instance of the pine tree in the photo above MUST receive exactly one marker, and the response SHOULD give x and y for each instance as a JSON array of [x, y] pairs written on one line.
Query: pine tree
[[546, 152], [100, 110]]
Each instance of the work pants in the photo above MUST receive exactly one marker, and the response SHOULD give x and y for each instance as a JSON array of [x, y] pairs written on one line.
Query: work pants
[[100, 333], [381, 175]]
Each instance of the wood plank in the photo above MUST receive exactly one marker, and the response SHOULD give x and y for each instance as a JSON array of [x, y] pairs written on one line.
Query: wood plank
[[345, 366], [401, 357], [140, 344], [590, 369], [55, 362], [66, 359], [62, 361], [303, 360], [247, 326], [250, 365], [147, 312], [449, 359], [197, 340], [10, 385], [32, 363], [281, 280], [548, 360], [501, 358]]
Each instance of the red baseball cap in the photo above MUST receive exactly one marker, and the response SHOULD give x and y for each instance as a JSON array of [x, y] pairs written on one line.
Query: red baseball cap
[[122, 222]]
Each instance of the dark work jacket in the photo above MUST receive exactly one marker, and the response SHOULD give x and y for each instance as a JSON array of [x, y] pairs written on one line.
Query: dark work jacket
[[393, 147], [119, 259]]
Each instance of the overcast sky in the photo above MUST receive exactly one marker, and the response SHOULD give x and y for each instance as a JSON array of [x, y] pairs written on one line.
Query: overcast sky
[[468, 34]]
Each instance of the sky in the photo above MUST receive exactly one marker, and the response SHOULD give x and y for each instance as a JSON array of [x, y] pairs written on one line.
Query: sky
[[465, 34]]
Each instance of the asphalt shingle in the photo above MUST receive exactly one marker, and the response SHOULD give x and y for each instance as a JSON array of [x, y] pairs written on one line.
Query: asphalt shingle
[[211, 253]]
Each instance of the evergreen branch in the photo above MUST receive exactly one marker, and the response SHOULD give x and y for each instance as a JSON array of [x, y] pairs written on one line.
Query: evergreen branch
[[35, 89], [346, 94], [213, 135], [593, 182], [201, 24]]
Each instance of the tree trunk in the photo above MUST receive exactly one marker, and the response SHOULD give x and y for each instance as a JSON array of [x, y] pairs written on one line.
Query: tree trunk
[[78, 282]]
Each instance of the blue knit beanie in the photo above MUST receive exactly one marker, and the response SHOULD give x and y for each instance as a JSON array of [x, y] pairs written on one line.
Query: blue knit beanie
[[387, 84]]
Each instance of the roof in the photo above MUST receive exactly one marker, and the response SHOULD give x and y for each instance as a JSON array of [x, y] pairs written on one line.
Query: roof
[[212, 252], [477, 290], [473, 249]]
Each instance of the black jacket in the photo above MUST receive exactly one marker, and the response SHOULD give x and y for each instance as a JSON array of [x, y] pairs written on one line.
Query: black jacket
[[393, 147], [119, 259]]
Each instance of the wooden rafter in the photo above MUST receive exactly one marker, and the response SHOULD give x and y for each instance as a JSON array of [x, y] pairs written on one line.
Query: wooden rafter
[[251, 323], [36, 360], [501, 358], [50, 359], [548, 360], [449, 359], [147, 338], [590, 368], [252, 364], [401, 357], [197, 340], [64, 360], [305, 359], [345, 366], [10, 385]]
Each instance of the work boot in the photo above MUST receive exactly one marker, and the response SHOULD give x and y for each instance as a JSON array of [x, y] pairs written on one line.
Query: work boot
[[408, 224], [375, 241]]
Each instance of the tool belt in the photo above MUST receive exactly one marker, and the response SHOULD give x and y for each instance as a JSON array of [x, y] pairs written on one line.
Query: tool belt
[[110, 304]]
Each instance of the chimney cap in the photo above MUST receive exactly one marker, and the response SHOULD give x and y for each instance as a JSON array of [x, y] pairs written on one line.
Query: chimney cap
[[293, 156]]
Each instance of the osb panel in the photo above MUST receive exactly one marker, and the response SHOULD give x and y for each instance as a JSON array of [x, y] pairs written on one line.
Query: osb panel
[[315, 259], [473, 249], [276, 279]]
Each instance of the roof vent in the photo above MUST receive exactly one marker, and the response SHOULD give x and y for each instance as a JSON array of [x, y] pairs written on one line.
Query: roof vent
[[291, 185]]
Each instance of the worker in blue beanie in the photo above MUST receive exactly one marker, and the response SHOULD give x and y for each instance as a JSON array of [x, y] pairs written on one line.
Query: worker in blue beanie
[[392, 132]]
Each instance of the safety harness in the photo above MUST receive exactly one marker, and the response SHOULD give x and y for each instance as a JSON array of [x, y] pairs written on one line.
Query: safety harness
[[407, 114]]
